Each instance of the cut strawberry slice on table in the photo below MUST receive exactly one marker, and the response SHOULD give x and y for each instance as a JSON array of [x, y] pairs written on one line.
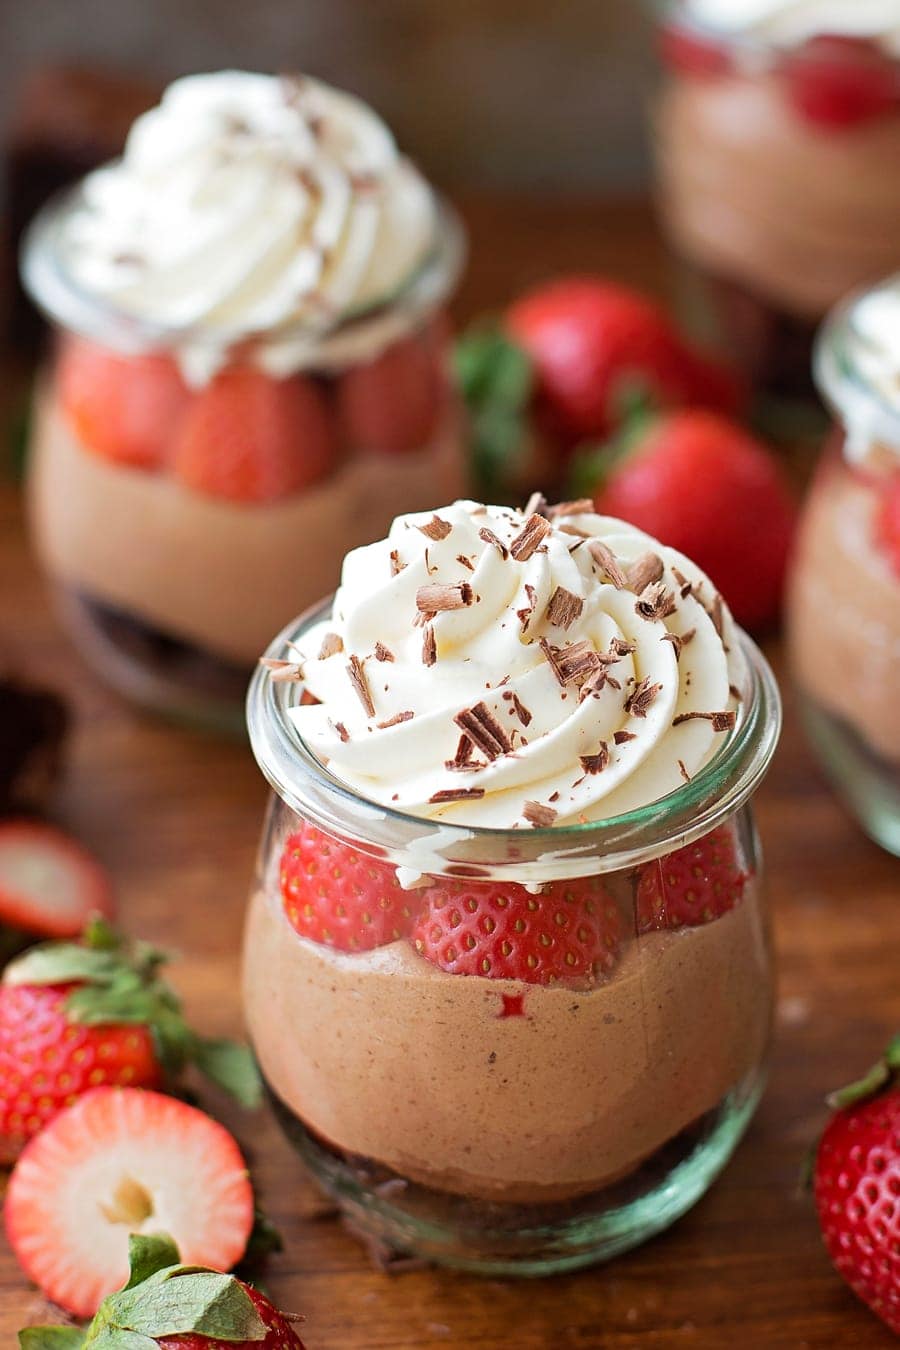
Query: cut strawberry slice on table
[[391, 405], [49, 884], [121, 1161], [693, 885]]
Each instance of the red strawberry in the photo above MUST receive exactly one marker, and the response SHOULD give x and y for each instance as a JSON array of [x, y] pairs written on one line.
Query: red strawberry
[[568, 931], [122, 1161], [49, 884], [693, 885], [856, 1184], [594, 342], [839, 81], [75, 1017], [704, 485], [125, 408], [180, 1307], [887, 522], [334, 895], [250, 438], [692, 52], [391, 405]]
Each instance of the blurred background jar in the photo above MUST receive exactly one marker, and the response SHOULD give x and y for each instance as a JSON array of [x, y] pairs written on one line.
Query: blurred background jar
[[777, 135], [844, 602], [250, 377]]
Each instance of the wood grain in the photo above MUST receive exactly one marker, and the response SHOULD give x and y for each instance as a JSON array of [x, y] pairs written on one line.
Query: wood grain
[[175, 816]]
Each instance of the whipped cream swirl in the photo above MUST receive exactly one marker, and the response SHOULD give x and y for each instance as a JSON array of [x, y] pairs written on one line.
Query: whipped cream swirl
[[491, 668], [245, 204], [791, 22], [858, 367]]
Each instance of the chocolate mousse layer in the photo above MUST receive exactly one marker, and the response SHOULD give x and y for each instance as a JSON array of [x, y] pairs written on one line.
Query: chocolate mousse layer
[[221, 576], [749, 190], [845, 611], [386, 1056]]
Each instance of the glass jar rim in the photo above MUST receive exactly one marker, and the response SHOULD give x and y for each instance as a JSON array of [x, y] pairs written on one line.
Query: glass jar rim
[[423, 846], [846, 390], [56, 293], [758, 53]]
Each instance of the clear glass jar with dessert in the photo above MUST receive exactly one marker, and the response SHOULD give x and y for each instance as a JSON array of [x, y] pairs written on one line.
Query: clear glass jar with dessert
[[777, 133], [250, 376], [844, 595], [507, 967]]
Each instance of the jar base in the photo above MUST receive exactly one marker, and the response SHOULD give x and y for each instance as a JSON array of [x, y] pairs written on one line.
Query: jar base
[[867, 783], [399, 1216]]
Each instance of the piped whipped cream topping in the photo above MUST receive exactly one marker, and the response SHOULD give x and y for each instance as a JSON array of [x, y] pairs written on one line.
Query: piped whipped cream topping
[[791, 22], [247, 204], [512, 669], [869, 402]]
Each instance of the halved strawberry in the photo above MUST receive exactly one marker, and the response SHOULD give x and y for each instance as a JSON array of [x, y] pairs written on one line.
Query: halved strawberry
[[121, 1161], [250, 438], [334, 895], [569, 931], [692, 52], [887, 522], [693, 885], [838, 80], [391, 405], [125, 408], [49, 884]]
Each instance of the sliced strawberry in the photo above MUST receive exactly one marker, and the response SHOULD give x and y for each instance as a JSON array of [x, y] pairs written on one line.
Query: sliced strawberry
[[250, 438], [839, 81], [392, 405], [569, 931], [334, 895], [122, 1161], [887, 522], [125, 408], [693, 885], [692, 52], [49, 884]]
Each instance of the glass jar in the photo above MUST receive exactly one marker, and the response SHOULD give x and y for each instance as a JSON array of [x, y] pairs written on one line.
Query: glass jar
[[504, 1126], [776, 185], [176, 531], [844, 593]]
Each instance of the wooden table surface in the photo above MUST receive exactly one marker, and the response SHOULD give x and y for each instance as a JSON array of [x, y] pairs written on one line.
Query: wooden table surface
[[175, 816]]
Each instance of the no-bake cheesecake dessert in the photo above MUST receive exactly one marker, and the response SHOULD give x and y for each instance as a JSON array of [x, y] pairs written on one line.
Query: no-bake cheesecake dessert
[[506, 964], [844, 603], [250, 374], [777, 135]]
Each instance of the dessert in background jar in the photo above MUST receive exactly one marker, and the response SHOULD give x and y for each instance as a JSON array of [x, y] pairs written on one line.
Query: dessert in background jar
[[249, 377], [506, 967], [777, 136], [844, 607]]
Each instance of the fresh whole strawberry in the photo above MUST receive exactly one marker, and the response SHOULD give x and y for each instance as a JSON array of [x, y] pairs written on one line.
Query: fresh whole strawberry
[[856, 1184], [887, 522], [73, 1017], [568, 931], [692, 885], [596, 344], [175, 1306], [391, 405], [340, 897], [50, 885], [703, 485], [250, 438], [121, 1161], [838, 81], [125, 408]]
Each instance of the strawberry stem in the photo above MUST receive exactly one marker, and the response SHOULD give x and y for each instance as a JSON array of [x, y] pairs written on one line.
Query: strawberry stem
[[880, 1076]]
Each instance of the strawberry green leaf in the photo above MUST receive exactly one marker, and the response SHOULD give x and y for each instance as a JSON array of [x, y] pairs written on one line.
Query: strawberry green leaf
[[51, 1338], [148, 1254], [496, 379], [61, 963], [180, 1300], [120, 1338], [232, 1067]]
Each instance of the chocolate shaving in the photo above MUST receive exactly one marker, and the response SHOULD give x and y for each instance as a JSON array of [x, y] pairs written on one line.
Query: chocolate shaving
[[620, 737], [721, 721], [524, 614], [608, 563], [641, 696], [539, 815], [580, 507], [332, 643], [564, 607], [655, 602], [716, 614], [456, 794], [580, 534], [572, 664], [365, 183], [676, 641], [282, 672], [621, 647], [686, 586], [531, 535], [735, 693], [383, 653], [554, 797], [465, 562], [595, 763], [536, 505], [357, 675], [436, 528], [644, 571], [340, 729], [490, 538], [429, 646], [683, 771], [436, 596], [463, 759], [483, 729], [395, 720], [598, 681], [521, 711], [396, 565]]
